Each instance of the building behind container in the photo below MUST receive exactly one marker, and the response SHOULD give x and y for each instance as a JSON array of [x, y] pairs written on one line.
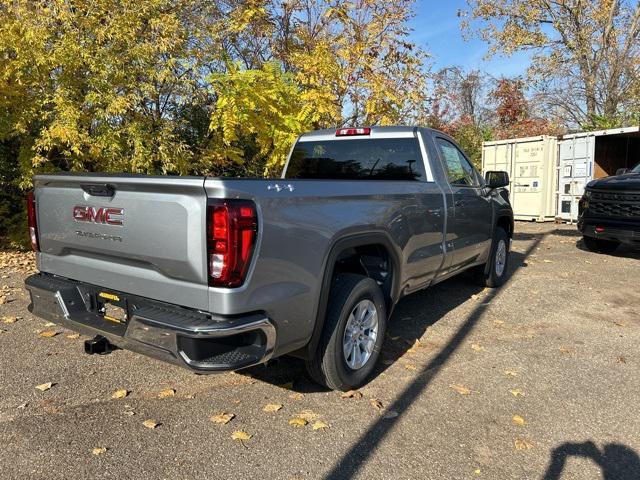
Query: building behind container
[[532, 166], [589, 155]]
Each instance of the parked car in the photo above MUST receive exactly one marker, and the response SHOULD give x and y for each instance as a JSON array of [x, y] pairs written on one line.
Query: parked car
[[220, 274], [610, 211]]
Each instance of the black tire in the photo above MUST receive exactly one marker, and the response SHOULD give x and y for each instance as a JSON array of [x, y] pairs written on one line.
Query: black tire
[[490, 276], [600, 245], [328, 366]]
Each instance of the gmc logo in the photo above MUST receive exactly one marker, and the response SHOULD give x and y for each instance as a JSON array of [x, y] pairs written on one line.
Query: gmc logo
[[104, 215]]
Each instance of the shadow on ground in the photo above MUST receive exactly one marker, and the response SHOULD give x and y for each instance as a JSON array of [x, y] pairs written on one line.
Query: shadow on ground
[[617, 462]]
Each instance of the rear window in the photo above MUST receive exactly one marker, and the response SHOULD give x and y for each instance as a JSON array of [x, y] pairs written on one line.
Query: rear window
[[357, 159]]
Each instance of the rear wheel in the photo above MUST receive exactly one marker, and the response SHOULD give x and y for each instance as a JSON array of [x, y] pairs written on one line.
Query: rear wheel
[[353, 334], [600, 245]]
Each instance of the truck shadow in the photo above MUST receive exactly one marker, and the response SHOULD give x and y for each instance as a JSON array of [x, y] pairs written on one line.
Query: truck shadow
[[411, 318], [617, 462]]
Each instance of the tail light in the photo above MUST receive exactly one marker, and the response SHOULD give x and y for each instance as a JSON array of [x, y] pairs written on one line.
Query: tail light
[[231, 236], [32, 221], [348, 132]]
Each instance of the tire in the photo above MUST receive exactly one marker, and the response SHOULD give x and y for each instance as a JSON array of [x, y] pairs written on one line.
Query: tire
[[600, 245], [330, 365], [492, 275]]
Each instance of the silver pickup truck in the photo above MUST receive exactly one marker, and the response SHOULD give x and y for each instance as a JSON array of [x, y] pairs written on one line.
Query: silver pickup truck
[[220, 274]]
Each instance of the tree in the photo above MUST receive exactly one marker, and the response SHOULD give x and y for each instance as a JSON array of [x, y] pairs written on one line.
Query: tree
[[513, 117], [459, 108], [354, 60], [585, 54]]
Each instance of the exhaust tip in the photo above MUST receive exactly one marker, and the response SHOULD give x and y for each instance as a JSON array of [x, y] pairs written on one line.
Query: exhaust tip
[[98, 345]]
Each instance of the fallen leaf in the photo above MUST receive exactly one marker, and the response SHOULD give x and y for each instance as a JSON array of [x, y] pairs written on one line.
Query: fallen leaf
[[566, 350], [308, 415], [461, 389], [410, 366], [150, 423], [9, 319], [73, 336], [167, 392], [621, 359], [241, 435], [48, 333], [351, 394], [222, 418], [272, 407], [99, 450], [619, 324], [298, 422], [475, 296], [296, 396], [22, 406], [518, 420], [546, 260], [510, 373], [319, 425], [477, 348], [516, 392], [129, 413], [121, 393], [44, 386], [523, 444], [377, 404], [390, 414], [49, 324], [498, 323]]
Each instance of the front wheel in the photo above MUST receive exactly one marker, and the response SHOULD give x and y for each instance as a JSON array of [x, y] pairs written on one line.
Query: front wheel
[[600, 245], [352, 335], [495, 271]]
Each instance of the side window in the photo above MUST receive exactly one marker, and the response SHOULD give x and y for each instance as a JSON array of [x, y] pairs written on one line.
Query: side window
[[459, 170]]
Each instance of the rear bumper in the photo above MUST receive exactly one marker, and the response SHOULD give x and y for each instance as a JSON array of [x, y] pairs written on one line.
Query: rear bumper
[[193, 339]]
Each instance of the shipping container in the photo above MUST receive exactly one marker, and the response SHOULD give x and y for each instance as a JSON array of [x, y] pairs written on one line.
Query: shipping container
[[532, 166], [589, 155]]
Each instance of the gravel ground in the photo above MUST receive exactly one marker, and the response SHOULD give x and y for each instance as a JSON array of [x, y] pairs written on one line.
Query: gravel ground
[[538, 379]]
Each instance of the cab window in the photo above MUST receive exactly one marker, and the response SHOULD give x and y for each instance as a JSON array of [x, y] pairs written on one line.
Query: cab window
[[458, 169]]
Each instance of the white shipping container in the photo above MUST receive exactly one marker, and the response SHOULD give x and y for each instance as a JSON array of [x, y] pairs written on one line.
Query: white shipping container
[[532, 166], [589, 155]]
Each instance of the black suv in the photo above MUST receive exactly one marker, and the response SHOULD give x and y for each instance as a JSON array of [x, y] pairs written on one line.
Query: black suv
[[610, 211]]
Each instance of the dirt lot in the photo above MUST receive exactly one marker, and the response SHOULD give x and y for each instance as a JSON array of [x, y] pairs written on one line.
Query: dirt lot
[[538, 379]]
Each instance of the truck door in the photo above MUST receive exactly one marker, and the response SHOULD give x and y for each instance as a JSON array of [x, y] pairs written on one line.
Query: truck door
[[469, 231]]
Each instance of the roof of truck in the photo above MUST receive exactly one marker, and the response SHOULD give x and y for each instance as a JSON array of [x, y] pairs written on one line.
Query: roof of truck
[[379, 132]]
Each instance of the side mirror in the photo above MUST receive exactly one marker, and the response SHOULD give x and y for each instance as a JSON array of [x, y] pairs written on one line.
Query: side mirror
[[496, 179], [622, 171]]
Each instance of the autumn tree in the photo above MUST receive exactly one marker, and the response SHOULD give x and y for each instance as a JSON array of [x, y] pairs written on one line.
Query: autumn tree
[[585, 54], [513, 115], [458, 106]]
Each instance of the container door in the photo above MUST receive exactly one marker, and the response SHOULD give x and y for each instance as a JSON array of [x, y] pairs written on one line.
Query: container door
[[528, 177], [576, 170]]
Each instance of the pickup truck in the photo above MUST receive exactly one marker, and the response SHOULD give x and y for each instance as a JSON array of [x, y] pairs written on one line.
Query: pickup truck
[[221, 274], [609, 211]]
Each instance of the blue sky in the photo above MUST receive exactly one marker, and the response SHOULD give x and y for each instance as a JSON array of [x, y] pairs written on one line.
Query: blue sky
[[437, 29]]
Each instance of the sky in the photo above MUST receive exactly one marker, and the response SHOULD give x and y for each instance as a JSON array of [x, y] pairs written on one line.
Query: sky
[[437, 29]]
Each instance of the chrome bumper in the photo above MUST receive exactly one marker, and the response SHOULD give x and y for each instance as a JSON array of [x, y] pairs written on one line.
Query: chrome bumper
[[189, 338]]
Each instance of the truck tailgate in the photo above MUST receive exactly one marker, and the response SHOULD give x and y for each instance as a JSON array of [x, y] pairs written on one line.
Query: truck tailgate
[[136, 234]]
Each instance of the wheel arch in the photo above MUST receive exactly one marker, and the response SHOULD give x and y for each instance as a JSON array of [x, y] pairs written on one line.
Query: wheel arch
[[339, 249]]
